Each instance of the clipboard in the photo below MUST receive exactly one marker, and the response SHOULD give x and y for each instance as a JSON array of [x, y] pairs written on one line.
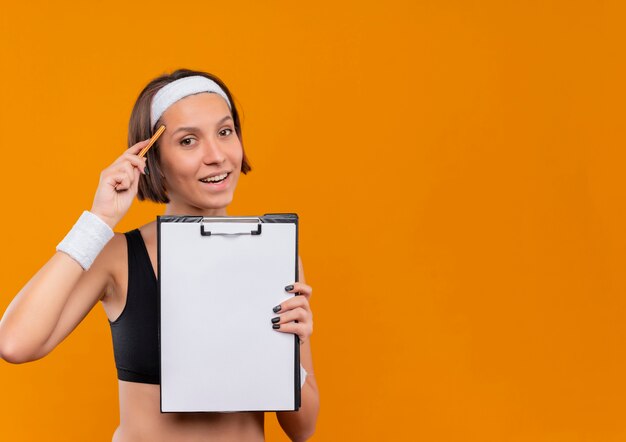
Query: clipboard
[[219, 279]]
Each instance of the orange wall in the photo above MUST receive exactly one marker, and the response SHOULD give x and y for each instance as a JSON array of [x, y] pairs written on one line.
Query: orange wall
[[458, 170]]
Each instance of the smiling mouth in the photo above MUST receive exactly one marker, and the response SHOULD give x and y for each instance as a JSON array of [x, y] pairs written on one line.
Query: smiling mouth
[[216, 179]]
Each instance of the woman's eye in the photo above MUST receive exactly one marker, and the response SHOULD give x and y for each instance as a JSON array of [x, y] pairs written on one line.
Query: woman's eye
[[186, 141], [225, 132]]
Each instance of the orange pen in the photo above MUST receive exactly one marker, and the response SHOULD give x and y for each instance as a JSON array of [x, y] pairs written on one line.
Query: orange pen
[[155, 137]]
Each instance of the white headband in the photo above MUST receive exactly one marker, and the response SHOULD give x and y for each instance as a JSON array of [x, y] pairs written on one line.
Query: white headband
[[174, 91]]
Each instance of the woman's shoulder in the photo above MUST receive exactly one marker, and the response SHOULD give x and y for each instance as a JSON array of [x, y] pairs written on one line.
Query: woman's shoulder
[[116, 248], [114, 256], [149, 234], [149, 227], [111, 256]]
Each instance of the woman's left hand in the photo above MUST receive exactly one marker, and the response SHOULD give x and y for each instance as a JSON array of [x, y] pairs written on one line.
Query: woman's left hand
[[295, 309]]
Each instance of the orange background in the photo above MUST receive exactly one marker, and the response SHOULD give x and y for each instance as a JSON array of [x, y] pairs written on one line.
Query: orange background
[[458, 168]]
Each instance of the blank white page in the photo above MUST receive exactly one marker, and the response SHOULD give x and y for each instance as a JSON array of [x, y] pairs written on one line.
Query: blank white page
[[218, 349]]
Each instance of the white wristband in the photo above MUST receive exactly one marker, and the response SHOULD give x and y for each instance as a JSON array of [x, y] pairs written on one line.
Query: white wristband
[[86, 239], [303, 374]]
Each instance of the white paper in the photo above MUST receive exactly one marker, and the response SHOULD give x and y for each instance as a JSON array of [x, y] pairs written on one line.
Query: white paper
[[218, 349]]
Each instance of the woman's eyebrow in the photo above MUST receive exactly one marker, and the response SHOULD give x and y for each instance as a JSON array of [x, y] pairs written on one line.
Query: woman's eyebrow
[[191, 128]]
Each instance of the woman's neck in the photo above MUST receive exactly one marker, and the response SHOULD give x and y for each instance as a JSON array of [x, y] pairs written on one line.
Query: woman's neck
[[177, 210]]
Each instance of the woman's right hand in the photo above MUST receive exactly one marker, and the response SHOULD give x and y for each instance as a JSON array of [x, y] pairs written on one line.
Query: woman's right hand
[[118, 185]]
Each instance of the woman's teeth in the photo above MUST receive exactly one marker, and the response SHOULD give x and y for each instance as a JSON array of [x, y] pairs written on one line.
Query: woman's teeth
[[215, 179]]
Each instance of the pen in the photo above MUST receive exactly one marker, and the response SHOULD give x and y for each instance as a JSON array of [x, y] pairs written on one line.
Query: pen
[[155, 137]]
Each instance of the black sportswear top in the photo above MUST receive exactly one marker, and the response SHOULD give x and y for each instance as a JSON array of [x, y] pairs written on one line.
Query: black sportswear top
[[136, 331]]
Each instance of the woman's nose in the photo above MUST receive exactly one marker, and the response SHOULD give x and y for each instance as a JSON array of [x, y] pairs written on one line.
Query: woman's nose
[[212, 152]]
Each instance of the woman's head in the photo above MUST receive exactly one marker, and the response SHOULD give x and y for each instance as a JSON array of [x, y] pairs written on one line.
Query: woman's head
[[202, 139]]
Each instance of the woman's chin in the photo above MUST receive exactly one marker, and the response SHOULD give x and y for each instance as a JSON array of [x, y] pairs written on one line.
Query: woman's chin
[[216, 204]]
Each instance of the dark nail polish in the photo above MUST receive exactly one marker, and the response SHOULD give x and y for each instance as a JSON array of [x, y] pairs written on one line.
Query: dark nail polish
[[289, 287], [277, 308], [275, 320], [276, 326], [145, 169]]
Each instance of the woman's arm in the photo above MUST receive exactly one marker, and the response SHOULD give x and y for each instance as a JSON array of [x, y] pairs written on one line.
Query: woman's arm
[[300, 425], [61, 293], [51, 305]]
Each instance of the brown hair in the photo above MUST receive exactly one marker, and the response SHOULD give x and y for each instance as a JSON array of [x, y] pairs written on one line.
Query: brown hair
[[151, 186]]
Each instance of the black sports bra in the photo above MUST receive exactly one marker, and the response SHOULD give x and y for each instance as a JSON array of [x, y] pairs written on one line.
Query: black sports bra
[[135, 332]]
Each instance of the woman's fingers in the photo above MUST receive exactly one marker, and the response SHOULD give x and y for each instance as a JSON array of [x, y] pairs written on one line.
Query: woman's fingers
[[292, 303], [298, 321], [121, 173], [135, 149], [300, 289], [135, 185], [294, 314], [136, 161], [132, 155], [123, 177], [119, 184], [120, 181], [303, 330], [297, 314]]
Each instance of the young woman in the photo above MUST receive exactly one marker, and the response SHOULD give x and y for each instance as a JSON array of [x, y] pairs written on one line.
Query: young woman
[[193, 169]]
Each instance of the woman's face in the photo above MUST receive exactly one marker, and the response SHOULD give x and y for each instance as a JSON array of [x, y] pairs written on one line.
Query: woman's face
[[199, 142]]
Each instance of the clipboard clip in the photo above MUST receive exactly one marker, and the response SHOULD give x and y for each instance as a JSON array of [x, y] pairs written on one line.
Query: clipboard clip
[[230, 226]]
